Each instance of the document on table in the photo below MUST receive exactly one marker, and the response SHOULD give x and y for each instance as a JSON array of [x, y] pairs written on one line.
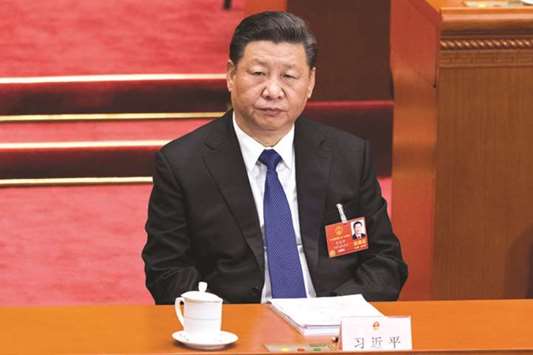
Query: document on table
[[322, 315]]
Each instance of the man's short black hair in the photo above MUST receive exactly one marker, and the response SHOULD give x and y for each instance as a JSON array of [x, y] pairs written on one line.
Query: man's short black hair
[[276, 27]]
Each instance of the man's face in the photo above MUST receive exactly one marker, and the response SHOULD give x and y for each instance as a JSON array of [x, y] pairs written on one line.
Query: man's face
[[358, 229], [269, 88]]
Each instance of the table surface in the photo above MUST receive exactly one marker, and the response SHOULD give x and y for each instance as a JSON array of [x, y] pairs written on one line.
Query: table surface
[[437, 326]]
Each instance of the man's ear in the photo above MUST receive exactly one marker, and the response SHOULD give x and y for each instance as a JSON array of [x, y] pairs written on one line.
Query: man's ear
[[311, 86], [230, 74]]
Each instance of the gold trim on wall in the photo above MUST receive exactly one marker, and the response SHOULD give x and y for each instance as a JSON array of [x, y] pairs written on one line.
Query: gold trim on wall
[[486, 51], [117, 77], [486, 43], [484, 58], [109, 116], [75, 181], [84, 144]]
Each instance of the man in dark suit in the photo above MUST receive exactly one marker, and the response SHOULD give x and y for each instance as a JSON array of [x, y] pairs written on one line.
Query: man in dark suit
[[242, 202]]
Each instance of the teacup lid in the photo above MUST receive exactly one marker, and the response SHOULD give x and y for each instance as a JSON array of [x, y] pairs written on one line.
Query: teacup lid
[[201, 295]]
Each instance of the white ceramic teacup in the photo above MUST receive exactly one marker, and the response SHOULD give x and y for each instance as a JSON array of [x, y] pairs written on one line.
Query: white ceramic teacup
[[202, 312]]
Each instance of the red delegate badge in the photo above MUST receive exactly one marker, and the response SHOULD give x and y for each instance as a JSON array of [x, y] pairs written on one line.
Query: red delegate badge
[[346, 237]]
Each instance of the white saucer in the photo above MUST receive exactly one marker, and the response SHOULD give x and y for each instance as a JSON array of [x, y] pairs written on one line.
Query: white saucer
[[216, 341]]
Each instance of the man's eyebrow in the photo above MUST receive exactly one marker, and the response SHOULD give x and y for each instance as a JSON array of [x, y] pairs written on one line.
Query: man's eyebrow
[[265, 63], [258, 61]]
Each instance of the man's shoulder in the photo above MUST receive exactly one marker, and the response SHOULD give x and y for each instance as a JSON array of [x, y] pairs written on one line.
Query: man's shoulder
[[192, 142], [334, 136]]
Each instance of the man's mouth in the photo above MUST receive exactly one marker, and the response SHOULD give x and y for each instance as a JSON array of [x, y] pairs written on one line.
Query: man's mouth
[[270, 110]]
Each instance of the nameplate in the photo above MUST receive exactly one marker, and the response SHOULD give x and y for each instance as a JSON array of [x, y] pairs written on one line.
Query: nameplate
[[376, 334]]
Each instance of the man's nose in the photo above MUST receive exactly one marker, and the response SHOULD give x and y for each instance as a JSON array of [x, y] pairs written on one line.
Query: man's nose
[[273, 89]]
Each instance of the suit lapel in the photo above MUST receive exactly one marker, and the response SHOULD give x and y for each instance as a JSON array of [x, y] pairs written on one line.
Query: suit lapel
[[313, 159], [224, 161]]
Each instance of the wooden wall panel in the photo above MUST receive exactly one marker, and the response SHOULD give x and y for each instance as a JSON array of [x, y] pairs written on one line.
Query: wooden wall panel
[[413, 56], [254, 6], [462, 144], [485, 219], [353, 38]]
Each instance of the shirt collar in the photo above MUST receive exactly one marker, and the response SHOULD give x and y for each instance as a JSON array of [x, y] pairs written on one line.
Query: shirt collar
[[252, 149]]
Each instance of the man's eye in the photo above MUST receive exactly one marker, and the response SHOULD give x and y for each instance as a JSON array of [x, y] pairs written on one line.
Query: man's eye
[[258, 73], [288, 76]]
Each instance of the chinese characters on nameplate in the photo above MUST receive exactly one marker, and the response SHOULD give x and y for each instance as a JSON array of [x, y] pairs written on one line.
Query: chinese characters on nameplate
[[376, 334]]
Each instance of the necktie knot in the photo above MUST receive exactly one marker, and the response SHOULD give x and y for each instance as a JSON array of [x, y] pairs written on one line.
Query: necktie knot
[[270, 158]]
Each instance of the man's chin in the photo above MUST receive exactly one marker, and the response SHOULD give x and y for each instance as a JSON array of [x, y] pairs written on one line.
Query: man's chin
[[270, 124], [272, 113]]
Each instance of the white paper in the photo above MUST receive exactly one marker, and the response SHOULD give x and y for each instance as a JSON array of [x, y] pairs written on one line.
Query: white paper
[[322, 315]]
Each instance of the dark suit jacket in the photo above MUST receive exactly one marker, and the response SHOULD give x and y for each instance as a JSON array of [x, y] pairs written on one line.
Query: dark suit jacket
[[203, 225]]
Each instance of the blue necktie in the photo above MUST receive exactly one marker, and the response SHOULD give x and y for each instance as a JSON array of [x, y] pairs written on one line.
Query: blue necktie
[[284, 266]]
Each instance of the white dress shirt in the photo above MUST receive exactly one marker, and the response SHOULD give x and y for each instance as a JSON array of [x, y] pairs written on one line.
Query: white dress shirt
[[251, 150]]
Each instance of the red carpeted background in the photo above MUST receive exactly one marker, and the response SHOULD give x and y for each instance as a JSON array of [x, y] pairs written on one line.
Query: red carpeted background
[[82, 244], [73, 245], [67, 37]]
